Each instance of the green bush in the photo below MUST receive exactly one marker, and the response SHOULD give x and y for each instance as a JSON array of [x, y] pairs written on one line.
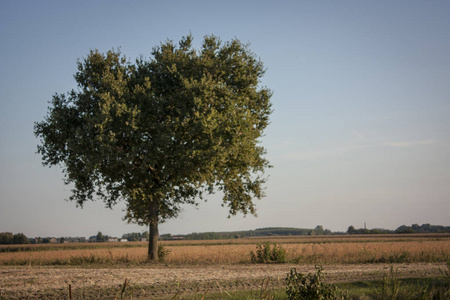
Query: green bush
[[310, 286], [268, 253]]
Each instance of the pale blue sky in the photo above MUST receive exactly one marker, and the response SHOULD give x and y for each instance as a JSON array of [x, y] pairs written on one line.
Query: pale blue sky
[[360, 130]]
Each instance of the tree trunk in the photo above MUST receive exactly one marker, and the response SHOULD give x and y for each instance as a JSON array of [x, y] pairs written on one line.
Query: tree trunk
[[153, 242], [153, 234]]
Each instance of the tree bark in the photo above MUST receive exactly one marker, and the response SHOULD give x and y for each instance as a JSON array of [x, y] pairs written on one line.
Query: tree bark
[[154, 233]]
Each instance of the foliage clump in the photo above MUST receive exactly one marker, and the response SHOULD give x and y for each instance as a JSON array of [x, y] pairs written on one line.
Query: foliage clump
[[310, 286], [268, 253]]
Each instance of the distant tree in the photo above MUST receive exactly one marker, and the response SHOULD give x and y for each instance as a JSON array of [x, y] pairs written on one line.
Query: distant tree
[[45, 240], [404, 229], [429, 228], [20, 238], [6, 238], [162, 133], [327, 232], [417, 228], [351, 230], [100, 237], [62, 240], [319, 230]]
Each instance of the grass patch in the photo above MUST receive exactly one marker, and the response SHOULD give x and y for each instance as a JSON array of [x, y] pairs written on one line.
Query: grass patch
[[409, 289], [235, 295], [406, 288]]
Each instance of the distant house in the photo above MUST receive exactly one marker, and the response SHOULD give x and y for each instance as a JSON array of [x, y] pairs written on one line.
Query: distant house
[[143, 239], [92, 239], [53, 240], [113, 240], [123, 240], [177, 237]]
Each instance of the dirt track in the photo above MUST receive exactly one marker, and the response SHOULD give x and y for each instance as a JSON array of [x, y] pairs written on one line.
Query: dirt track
[[45, 283]]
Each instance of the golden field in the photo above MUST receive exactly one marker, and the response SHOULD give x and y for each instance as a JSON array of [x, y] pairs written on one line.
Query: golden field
[[320, 249]]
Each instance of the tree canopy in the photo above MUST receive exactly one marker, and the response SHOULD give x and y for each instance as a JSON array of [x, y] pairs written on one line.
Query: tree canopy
[[162, 132]]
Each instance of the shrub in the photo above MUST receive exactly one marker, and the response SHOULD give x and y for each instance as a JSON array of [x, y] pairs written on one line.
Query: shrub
[[310, 286], [268, 253]]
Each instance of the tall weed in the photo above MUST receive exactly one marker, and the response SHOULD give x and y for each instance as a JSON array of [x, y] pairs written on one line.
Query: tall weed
[[392, 288]]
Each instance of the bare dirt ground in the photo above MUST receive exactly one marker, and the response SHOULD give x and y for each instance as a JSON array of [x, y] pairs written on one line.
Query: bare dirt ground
[[158, 281]]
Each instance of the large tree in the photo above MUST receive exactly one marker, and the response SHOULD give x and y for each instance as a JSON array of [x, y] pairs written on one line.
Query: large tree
[[162, 132]]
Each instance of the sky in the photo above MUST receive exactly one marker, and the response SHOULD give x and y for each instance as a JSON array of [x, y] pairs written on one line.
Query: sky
[[360, 132]]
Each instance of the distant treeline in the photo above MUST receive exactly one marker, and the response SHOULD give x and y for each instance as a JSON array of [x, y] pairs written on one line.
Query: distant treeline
[[130, 237], [286, 231], [424, 228], [135, 236], [7, 238], [415, 228], [270, 231]]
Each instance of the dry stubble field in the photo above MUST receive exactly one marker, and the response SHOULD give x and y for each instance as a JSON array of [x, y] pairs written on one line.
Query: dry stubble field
[[99, 270]]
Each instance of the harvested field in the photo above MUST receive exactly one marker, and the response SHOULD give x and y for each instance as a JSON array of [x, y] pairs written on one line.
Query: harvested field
[[53, 283]]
